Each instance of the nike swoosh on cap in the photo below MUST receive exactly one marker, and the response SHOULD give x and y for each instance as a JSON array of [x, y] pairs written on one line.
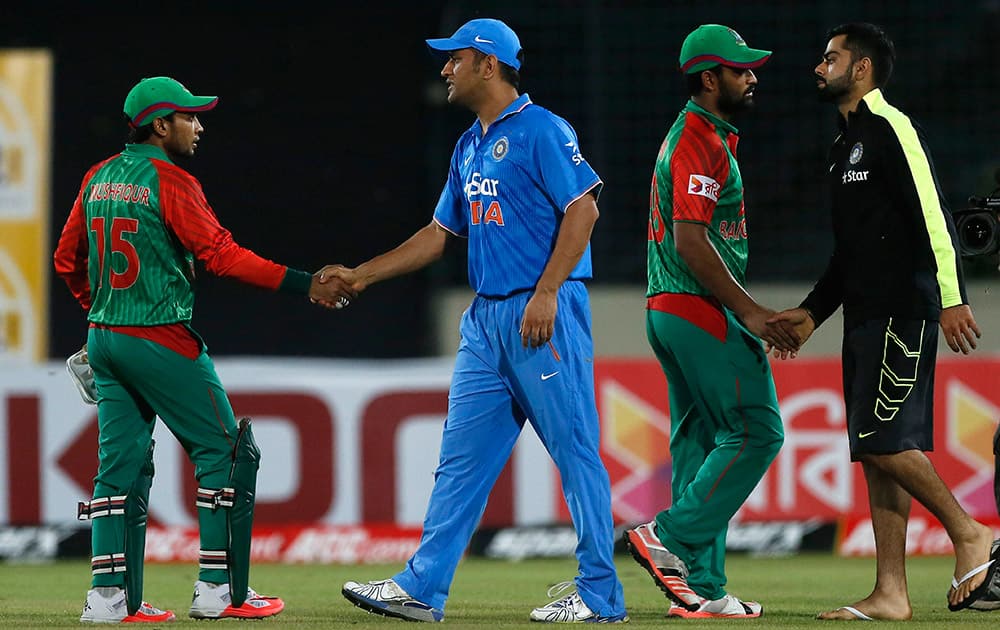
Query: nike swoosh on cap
[[480, 40]]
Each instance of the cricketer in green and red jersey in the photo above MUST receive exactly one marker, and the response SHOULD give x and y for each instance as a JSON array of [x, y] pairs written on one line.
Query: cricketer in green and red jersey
[[127, 253], [706, 330]]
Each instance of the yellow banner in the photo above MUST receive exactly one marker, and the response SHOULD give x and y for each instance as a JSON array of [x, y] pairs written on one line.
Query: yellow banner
[[25, 259]]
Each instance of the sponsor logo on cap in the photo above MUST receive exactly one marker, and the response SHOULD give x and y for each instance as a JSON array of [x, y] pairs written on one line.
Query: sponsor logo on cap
[[736, 36]]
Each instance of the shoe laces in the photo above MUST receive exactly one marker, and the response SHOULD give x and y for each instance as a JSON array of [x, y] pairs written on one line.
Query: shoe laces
[[149, 609], [556, 590], [567, 600]]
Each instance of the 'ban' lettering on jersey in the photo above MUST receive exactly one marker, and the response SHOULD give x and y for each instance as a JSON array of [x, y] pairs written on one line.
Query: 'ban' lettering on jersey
[[478, 186], [704, 186]]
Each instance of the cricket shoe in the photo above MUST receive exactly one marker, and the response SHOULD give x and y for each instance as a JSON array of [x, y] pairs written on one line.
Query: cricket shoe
[[213, 601], [728, 607], [106, 604], [570, 608], [385, 597], [669, 572]]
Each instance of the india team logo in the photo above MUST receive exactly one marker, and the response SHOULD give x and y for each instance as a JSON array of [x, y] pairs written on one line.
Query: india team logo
[[856, 152], [703, 186], [500, 149]]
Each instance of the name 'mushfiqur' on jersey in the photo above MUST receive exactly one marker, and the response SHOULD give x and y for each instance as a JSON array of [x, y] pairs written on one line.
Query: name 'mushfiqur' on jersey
[[119, 191]]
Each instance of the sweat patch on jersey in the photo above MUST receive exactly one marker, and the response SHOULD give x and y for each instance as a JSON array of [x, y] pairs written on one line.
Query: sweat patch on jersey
[[703, 186]]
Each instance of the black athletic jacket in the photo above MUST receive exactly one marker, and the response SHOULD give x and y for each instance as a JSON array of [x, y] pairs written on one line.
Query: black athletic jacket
[[895, 248]]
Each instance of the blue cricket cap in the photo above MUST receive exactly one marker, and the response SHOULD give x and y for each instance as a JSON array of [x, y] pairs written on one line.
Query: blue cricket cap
[[488, 36]]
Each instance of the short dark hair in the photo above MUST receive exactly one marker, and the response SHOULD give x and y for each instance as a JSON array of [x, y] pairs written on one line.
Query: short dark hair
[[868, 40], [138, 135], [507, 73], [694, 83]]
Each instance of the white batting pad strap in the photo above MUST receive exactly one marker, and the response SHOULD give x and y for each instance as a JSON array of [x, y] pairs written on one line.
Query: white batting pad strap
[[212, 498], [108, 563], [209, 559], [101, 506]]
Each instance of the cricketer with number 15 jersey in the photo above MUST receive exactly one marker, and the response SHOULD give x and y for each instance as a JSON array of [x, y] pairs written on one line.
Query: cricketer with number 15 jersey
[[127, 250], [507, 191]]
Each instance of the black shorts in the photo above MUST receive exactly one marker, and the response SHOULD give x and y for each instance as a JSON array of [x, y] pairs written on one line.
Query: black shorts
[[889, 385]]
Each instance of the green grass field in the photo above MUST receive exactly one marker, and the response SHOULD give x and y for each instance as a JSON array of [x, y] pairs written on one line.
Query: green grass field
[[500, 594]]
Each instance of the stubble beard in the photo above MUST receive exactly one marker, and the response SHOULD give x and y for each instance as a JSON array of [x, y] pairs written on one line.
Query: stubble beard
[[834, 91]]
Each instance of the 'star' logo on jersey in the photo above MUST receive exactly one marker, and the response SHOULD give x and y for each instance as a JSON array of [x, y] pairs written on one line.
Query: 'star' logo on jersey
[[483, 211], [703, 186], [577, 157], [479, 185], [850, 177]]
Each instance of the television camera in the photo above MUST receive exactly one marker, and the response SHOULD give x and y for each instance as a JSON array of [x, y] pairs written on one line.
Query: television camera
[[978, 225]]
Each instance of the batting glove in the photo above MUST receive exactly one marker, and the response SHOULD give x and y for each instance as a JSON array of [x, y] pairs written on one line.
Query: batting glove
[[82, 376]]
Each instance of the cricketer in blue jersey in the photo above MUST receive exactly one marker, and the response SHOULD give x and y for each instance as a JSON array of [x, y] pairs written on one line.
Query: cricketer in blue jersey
[[521, 192]]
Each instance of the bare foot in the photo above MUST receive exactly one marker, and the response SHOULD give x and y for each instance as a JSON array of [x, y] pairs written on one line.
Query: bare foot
[[873, 607], [970, 554]]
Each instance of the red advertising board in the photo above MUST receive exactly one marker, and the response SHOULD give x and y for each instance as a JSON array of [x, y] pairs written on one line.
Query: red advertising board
[[812, 477], [356, 443]]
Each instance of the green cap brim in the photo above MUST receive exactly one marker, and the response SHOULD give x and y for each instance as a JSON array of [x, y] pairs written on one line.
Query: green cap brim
[[165, 108], [747, 58]]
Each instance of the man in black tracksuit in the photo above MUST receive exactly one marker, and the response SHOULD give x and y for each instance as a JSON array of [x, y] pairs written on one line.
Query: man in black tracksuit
[[896, 271]]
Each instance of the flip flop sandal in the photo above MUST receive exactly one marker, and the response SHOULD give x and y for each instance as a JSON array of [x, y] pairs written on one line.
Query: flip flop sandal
[[990, 568]]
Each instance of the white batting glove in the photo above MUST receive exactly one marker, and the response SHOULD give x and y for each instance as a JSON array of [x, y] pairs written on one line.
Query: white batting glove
[[82, 376]]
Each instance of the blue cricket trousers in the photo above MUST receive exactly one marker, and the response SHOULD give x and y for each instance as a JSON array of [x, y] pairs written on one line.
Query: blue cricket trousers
[[496, 386]]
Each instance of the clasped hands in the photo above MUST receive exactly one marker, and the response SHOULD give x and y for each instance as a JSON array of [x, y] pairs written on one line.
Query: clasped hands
[[334, 286], [783, 332]]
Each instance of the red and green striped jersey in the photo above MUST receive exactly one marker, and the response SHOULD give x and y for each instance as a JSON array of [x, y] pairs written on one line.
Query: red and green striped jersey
[[696, 179], [127, 250]]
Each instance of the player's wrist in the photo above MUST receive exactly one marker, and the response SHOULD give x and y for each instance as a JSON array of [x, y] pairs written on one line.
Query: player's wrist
[[296, 281], [546, 289], [809, 315]]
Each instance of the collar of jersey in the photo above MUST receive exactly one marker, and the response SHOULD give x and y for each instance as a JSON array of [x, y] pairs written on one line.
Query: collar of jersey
[[514, 108], [868, 102], [874, 99], [147, 150], [718, 122]]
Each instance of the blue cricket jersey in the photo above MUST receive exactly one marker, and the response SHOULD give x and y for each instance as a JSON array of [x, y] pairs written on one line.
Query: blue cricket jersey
[[507, 192]]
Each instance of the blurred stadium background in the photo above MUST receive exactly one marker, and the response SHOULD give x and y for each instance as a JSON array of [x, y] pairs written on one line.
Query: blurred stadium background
[[330, 144]]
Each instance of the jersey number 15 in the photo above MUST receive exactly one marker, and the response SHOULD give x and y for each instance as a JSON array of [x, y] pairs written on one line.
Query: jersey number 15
[[119, 226]]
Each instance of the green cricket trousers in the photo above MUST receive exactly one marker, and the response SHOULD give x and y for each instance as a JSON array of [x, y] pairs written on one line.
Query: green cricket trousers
[[725, 430], [138, 380]]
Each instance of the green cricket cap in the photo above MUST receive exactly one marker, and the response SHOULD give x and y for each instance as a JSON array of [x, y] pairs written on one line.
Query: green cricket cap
[[162, 96], [712, 44]]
